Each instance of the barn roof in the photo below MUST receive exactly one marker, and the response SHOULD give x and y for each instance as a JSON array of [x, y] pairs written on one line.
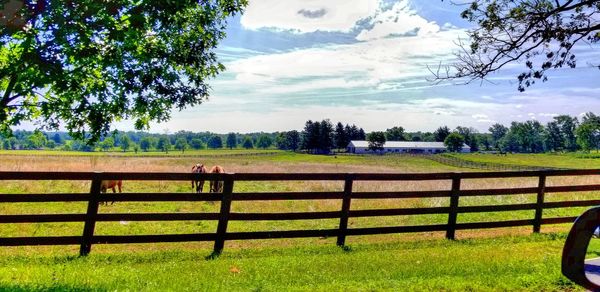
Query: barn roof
[[403, 144]]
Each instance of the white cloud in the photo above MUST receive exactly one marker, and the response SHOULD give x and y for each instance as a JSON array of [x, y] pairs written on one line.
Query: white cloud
[[307, 15], [401, 19], [374, 63]]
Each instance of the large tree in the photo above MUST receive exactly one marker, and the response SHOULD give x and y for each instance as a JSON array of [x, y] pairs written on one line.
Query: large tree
[[454, 142], [376, 141], [441, 133], [85, 64], [541, 34], [395, 134], [231, 141], [498, 131]]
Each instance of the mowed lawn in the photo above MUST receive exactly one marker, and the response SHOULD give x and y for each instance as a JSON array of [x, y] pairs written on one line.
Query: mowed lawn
[[496, 259], [524, 263]]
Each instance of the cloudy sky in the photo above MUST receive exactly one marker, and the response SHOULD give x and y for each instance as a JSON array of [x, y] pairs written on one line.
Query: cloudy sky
[[365, 62]]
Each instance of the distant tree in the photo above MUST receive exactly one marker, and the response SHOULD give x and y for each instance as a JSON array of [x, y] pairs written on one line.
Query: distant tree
[[361, 134], [231, 141], [469, 136], [67, 145], [498, 131], [181, 144], [247, 144], [264, 141], [215, 142], [146, 143], [395, 134], [484, 140], [376, 141], [293, 140], [588, 132], [553, 139], [325, 140], [164, 144], [197, 144], [567, 126], [125, 142], [79, 145], [10, 143], [509, 143], [441, 133], [107, 144], [454, 142], [351, 133], [136, 147], [36, 140], [280, 141], [528, 136], [311, 136], [57, 139], [51, 144], [340, 137]]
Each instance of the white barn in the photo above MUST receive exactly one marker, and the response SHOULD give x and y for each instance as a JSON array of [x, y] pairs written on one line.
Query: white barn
[[362, 147]]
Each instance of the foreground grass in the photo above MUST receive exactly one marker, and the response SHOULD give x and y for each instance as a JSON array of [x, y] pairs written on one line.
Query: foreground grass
[[567, 160], [506, 263]]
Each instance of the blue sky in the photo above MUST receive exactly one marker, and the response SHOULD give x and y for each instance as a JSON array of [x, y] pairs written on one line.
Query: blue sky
[[365, 62]]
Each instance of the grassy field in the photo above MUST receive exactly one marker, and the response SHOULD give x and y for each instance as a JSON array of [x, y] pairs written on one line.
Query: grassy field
[[524, 263], [499, 259], [567, 160]]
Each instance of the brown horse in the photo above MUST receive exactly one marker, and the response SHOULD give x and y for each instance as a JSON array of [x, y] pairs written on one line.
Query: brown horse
[[216, 186], [198, 184], [111, 184]]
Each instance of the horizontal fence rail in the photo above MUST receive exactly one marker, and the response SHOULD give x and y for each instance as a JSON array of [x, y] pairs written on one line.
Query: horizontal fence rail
[[228, 196]]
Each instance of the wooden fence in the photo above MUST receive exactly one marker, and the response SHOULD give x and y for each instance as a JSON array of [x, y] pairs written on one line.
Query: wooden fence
[[451, 160], [347, 195]]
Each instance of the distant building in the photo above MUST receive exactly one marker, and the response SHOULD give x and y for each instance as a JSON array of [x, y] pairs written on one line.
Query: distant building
[[362, 147]]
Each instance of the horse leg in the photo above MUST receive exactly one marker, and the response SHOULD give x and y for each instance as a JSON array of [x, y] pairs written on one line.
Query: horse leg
[[114, 192]]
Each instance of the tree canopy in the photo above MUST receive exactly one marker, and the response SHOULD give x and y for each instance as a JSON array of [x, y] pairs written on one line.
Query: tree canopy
[[85, 64], [376, 141], [454, 142], [540, 33]]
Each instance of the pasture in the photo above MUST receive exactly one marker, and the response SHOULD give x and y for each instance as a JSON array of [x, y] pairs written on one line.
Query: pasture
[[498, 258], [566, 160]]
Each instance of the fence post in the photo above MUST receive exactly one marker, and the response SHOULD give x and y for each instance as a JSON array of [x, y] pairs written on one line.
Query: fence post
[[453, 212], [341, 240], [223, 215], [537, 221], [90, 218]]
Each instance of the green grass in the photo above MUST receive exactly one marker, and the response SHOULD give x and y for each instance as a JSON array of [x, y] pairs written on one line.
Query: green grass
[[566, 160], [381, 262], [529, 263]]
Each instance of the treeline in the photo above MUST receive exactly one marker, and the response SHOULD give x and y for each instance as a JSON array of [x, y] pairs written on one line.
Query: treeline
[[563, 133], [138, 141]]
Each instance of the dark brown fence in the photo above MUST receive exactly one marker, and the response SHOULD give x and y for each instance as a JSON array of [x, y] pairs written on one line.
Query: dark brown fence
[[347, 195]]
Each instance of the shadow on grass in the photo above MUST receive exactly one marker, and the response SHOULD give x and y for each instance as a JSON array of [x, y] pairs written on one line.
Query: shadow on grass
[[270, 251]]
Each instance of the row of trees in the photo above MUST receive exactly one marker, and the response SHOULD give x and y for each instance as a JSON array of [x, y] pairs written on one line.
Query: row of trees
[[321, 137], [137, 141], [563, 133]]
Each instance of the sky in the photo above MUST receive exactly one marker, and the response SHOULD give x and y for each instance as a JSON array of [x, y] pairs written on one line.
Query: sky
[[365, 62]]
